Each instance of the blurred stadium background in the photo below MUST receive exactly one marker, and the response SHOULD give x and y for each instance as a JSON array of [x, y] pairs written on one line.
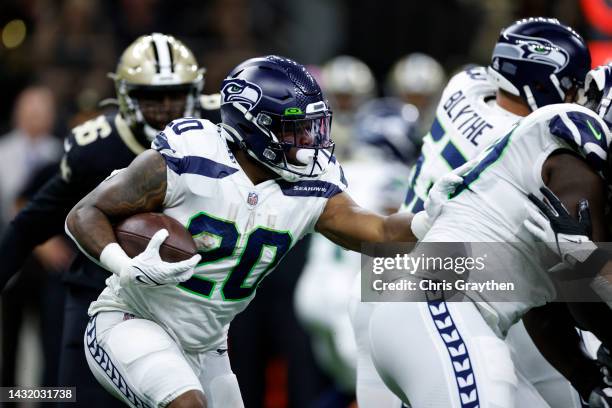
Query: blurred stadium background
[[61, 50]]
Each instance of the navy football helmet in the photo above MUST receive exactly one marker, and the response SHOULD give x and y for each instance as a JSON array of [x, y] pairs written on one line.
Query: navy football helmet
[[390, 126], [597, 93], [274, 109], [597, 96], [540, 60]]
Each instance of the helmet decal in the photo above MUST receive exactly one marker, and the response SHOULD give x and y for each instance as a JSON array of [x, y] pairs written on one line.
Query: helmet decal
[[534, 49], [241, 91]]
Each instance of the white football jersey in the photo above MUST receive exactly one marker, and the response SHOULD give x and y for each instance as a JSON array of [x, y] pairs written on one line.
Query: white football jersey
[[331, 274], [467, 120], [490, 205], [242, 231]]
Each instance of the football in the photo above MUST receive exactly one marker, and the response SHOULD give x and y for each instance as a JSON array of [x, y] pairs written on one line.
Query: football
[[133, 235]]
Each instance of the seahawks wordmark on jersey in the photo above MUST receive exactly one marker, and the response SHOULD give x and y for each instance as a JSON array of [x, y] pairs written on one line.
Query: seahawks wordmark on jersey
[[467, 120], [242, 231]]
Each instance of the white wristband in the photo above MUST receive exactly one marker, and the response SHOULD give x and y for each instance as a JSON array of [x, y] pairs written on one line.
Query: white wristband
[[114, 258], [420, 224]]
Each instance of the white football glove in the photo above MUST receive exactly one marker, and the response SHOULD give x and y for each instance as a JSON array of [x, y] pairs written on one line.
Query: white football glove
[[559, 230], [438, 195], [147, 268], [601, 397]]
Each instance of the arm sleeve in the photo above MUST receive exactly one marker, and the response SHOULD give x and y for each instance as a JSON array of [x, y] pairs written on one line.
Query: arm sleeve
[[40, 220]]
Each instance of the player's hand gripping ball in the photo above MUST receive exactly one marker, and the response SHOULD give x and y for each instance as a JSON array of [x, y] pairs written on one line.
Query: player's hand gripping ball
[[161, 250]]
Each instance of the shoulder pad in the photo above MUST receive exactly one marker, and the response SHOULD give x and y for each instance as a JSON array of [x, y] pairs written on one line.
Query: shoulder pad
[[91, 131], [476, 73], [335, 174], [475, 76], [194, 146], [81, 146], [583, 131]]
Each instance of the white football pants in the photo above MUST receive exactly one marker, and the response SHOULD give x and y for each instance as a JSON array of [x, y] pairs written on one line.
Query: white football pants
[[444, 355], [138, 362]]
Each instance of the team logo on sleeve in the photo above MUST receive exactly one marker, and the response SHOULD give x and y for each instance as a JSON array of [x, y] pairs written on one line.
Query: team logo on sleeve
[[533, 48], [241, 91]]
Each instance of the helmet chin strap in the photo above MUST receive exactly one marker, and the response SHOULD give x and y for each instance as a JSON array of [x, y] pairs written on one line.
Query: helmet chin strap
[[557, 85], [231, 134], [530, 98]]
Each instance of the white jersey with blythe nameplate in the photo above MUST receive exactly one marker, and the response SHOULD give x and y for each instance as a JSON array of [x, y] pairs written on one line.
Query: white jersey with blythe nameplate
[[241, 230], [467, 120], [490, 206]]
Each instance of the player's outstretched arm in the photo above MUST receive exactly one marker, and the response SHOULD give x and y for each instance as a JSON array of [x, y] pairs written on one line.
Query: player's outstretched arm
[[347, 224], [141, 187]]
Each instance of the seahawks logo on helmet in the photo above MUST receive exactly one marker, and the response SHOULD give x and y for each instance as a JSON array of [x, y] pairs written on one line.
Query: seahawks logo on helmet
[[241, 91], [534, 49]]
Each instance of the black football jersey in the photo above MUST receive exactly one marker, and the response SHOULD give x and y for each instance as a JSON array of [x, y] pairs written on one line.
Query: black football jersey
[[92, 151]]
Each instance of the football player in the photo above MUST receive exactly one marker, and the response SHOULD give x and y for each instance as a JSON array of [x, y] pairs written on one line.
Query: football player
[[383, 144], [417, 79], [562, 146], [348, 82], [536, 62], [157, 80], [569, 237], [247, 190]]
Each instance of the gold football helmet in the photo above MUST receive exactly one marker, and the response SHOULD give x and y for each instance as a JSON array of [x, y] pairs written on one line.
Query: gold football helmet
[[157, 80], [416, 74], [348, 82]]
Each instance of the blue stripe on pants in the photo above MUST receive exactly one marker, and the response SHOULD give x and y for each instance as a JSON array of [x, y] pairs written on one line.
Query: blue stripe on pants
[[103, 360], [458, 353]]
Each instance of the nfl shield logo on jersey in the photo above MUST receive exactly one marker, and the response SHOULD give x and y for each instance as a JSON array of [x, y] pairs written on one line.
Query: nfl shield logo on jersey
[[252, 199]]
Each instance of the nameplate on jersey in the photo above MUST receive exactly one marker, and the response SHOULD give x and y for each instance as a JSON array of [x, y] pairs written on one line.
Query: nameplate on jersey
[[467, 122]]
